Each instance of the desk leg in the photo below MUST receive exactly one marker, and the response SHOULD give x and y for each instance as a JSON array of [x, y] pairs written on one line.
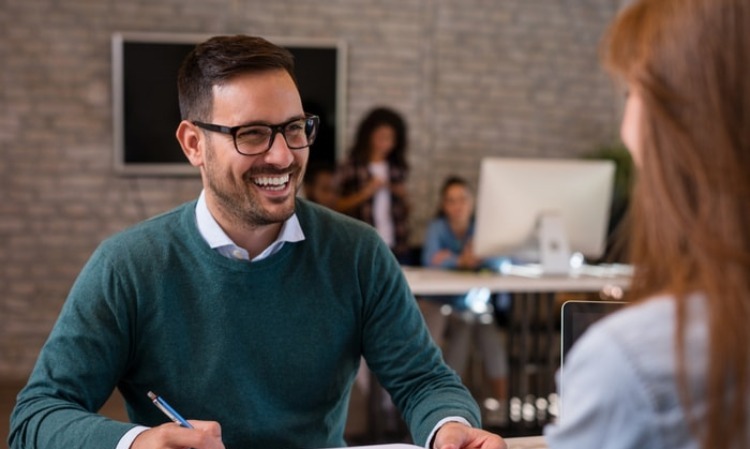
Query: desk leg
[[520, 340], [553, 344], [546, 353], [534, 348]]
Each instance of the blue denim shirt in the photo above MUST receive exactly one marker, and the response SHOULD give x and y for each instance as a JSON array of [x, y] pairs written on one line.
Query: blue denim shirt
[[439, 236], [620, 386]]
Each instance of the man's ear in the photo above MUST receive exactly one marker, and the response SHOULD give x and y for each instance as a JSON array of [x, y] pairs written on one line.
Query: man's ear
[[190, 138]]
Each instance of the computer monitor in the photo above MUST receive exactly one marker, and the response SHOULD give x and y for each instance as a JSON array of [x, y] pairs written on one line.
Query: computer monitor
[[543, 210]]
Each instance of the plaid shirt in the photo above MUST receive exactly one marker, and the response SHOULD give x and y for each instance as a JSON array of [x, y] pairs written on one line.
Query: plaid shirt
[[353, 177]]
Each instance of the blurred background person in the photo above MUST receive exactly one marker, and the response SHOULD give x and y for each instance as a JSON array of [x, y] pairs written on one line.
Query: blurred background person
[[372, 180], [673, 368], [470, 322], [320, 184]]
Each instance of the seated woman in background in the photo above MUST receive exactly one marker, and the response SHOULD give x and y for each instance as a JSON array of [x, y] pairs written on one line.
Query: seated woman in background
[[448, 244], [672, 370]]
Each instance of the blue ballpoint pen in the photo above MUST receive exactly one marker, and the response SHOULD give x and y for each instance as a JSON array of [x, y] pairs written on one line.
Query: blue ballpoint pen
[[168, 410]]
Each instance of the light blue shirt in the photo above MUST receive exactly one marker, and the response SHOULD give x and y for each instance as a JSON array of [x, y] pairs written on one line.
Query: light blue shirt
[[619, 386], [439, 237]]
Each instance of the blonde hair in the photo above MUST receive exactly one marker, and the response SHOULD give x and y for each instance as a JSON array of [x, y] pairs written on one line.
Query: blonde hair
[[689, 61]]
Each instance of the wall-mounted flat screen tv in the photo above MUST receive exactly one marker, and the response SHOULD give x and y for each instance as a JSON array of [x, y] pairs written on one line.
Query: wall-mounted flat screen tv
[[146, 111]]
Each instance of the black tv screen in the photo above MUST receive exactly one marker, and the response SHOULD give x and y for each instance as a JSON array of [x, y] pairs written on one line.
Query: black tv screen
[[146, 111]]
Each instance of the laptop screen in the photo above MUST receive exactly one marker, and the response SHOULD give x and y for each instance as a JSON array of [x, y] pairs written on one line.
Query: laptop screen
[[576, 317]]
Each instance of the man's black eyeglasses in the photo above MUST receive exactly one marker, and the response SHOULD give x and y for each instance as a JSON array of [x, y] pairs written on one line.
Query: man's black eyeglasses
[[254, 139]]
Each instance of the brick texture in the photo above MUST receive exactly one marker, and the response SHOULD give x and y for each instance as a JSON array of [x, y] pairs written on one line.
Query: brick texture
[[472, 77]]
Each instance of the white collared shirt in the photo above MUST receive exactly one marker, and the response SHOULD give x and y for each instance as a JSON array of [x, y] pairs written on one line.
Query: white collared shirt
[[381, 204], [291, 231]]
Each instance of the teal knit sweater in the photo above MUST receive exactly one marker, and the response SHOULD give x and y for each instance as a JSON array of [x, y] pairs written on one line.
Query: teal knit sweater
[[268, 349]]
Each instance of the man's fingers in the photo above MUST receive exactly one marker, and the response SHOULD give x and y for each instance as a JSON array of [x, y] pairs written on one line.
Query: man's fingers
[[204, 435]]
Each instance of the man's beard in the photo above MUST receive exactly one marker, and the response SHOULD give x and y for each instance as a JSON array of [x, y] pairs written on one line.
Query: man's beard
[[242, 203]]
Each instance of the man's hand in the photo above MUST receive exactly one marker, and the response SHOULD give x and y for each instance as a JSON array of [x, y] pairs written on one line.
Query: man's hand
[[205, 435], [455, 435], [467, 259], [441, 256]]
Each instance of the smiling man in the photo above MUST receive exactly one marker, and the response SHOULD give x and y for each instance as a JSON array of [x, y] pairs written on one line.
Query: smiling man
[[247, 309]]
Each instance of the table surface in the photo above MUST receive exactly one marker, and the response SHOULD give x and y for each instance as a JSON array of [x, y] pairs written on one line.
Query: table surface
[[536, 442], [518, 279]]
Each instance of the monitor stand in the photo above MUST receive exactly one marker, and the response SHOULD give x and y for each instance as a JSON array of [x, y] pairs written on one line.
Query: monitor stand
[[554, 250]]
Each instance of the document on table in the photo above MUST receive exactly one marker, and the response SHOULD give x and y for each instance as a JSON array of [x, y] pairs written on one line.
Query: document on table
[[384, 446], [535, 442]]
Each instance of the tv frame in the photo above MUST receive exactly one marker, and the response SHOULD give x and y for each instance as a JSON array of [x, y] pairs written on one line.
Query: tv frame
[[123, 164], [543, 210]]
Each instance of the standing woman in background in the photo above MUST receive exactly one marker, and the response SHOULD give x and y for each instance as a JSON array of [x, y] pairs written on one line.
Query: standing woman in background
[[673, 369], [373, 179]]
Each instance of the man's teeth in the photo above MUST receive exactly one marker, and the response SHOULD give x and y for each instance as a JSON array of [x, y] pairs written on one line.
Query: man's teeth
[[272, 181]]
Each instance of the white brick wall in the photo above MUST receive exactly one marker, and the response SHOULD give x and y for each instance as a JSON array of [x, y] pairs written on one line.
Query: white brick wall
[[472, 77]]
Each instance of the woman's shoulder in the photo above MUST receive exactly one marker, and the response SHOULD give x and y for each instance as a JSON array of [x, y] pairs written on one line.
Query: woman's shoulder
[[644, 334], [647, 321]]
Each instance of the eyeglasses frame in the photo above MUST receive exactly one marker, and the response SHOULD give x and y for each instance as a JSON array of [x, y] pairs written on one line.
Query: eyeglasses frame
[[275, 129]]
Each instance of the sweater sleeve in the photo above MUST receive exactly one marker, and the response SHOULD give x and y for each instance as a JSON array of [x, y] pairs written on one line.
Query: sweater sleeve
[[399, 350], [77, 369]]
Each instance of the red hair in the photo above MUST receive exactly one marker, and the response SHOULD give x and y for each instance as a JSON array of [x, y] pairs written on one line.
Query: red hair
[[689, 61]]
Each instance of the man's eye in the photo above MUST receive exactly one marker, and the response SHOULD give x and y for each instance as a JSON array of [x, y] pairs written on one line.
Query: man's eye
[[297, 126], [252, 133]]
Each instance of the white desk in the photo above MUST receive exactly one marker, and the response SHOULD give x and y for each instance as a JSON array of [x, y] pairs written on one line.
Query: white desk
[[533, 333], [432, 281], [537, 442]]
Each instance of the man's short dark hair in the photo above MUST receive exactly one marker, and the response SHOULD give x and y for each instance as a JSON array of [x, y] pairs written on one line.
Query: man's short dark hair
[[217, 60]]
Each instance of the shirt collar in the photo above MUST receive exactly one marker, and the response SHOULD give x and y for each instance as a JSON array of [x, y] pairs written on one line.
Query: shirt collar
[[217, 239]]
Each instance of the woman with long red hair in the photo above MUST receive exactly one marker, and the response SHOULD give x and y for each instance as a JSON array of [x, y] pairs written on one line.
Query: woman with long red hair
[[673, 369]]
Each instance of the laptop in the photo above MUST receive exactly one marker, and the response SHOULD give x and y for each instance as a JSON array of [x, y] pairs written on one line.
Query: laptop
[[576, 317]]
